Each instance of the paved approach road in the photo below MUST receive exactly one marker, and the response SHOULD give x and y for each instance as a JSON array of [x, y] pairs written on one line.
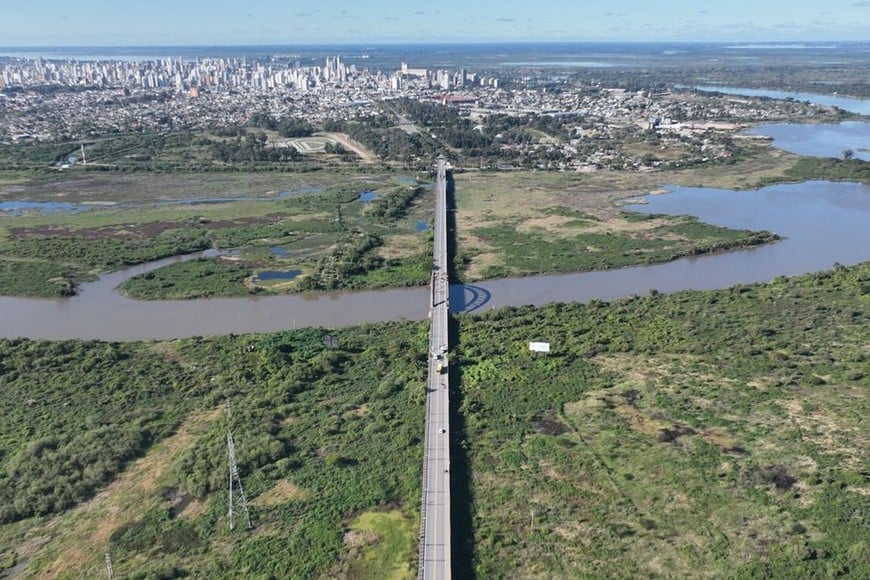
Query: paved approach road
[[435, 560]]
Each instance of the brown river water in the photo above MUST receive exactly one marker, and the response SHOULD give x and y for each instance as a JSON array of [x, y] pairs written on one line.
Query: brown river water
[[824, 223]]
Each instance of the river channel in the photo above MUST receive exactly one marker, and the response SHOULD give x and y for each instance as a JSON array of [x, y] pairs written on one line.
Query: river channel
[[824, 223], [853, 105]]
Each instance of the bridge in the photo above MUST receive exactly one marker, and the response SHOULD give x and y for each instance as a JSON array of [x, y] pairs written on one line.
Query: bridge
[[435, 557]]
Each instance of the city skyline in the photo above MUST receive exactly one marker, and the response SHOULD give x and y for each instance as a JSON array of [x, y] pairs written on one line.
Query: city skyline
[[262, 22]]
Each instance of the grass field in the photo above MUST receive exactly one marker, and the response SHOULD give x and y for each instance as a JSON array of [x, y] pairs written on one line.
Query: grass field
[[709, 435], [385, 543], [139, 188], [510, 224], [705, 434]]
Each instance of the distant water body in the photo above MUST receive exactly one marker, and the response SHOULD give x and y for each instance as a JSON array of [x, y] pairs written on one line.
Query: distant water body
[[857, 106], [826, 140], [481, 56], [822, 223]]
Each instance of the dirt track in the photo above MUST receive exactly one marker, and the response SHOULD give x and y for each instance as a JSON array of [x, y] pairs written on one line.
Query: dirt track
[[364, 154]]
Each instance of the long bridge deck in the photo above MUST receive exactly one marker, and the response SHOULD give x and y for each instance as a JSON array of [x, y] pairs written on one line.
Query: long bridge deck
[[435, 556]]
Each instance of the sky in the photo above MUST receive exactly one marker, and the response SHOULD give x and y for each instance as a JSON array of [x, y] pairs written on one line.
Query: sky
[[295, 22]]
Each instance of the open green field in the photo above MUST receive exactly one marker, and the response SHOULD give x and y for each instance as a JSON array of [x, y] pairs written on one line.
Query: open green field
[[520, 223], [562, 240], [118, 187], [713, 434]]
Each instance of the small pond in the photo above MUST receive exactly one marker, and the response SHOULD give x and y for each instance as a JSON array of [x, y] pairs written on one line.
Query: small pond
[[278, 275], [45, 207]]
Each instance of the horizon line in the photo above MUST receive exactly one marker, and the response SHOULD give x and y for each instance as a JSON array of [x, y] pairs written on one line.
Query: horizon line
[[443, 43]]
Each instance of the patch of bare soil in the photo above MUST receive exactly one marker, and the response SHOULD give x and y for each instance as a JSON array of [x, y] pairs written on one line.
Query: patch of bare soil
[[282, 491], [360, 538], [776, 475], [549, 424], [355, 146], [830, 432]]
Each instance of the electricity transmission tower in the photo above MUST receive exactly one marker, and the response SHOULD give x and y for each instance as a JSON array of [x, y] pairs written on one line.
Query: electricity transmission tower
[[109, 570], [235, 483]]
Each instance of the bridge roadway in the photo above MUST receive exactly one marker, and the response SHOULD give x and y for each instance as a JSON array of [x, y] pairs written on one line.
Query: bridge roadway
[[435, 560]]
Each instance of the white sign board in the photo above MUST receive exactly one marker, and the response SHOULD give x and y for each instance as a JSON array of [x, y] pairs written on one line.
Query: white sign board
[[539, 346]]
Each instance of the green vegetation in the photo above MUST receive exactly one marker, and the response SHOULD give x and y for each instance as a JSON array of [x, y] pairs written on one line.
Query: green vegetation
[[52, 260], [386, 542], [229, 149], [413, 270], [79, 411], [508, 223], [390, 205], [142, 190], [329, 234], [251, 148], [518, 224], [321, 433], [847, 169], [286, 126], [718, 434], [581, 244], [42, 279], [388, 142], [443, 129], [108, 250], [714, 432], [331, 253], [704, 434], [355, 253], [200, 278], [258, 147]]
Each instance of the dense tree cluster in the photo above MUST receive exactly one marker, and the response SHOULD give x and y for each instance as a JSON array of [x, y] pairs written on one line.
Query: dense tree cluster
[[356, 253], [97, 406], [392, 205], [286, 126], [251, 148], [384, 139]]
